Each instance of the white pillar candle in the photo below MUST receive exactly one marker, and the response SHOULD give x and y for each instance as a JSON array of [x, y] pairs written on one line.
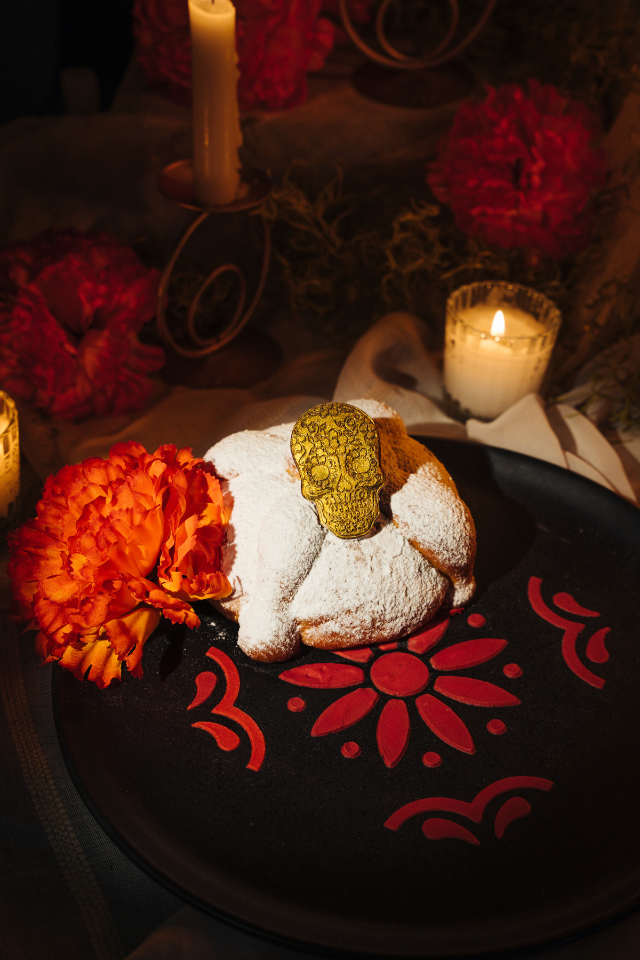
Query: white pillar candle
[[487, 370], [9, 461], [214, 81]]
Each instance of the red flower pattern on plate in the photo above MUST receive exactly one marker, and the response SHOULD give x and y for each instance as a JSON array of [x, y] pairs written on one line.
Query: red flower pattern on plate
[[441, 828], [399, 676]]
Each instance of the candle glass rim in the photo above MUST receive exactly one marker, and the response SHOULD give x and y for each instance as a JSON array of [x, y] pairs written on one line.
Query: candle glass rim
[[550, 325]]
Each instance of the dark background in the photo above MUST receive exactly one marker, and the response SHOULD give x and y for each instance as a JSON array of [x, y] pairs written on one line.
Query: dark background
[[40, 38]]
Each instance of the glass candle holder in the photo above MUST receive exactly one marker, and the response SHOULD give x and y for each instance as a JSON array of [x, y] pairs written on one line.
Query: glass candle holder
[[498, 343], [9, 465]]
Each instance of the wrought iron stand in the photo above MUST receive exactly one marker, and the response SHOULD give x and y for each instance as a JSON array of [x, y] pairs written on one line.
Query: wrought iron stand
[[176, 184]]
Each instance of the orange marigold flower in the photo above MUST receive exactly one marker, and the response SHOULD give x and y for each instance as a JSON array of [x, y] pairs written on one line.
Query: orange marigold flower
[[116, 544]]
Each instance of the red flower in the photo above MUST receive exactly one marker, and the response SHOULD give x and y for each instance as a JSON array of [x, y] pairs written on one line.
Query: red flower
[[401, 675], [279, 42], [71, 306], [116, 543], [519, 171], [163, 44]]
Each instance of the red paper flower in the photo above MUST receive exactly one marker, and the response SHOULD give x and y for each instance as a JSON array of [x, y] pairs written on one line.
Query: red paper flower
[[402, 675], [71, 306], [279, 42], [519, 170], [116, 543]]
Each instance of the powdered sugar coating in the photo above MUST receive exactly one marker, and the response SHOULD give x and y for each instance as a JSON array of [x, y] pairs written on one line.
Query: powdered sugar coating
[[292, 580]]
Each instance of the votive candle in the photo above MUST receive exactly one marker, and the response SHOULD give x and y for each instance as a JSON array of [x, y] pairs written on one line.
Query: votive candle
[[498, 342]]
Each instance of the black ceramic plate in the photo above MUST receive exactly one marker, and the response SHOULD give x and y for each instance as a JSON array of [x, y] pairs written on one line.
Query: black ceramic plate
[[510, 820]]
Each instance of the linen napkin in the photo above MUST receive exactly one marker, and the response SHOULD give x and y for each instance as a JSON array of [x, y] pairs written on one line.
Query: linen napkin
[[391, 363]]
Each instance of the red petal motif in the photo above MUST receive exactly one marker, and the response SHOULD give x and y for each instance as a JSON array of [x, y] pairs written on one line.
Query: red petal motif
[[393, 731], [596, 649], [205, 682], [345, 712], [225, 738], [325, 675], [469, 654], [423, 641], [359, 654], [566, 602], [437, 828], [477, 693], [513, 809], [445, 723]]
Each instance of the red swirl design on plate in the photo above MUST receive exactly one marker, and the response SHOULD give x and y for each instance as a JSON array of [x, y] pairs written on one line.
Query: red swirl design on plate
[[227, 708], [566, 602], [225, 738], [572, 630], [596, 650], [436, 828], [205, 684], [513, 809]]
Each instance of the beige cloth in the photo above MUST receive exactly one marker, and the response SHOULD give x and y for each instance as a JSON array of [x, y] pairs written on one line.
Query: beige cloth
[[389, 363]]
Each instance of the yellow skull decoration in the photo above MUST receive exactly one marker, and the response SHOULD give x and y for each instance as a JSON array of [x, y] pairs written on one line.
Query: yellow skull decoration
[[337, 450]]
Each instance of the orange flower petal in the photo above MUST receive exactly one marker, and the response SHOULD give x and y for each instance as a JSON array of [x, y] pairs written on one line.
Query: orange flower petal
[[99, 658], [132, 631], [83, 571]]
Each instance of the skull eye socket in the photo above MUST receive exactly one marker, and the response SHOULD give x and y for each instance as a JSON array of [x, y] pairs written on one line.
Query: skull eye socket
[[320, 473]]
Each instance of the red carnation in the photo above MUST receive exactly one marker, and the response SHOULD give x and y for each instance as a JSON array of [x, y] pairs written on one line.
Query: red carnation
[[279, 42], [276, 49], [116, 544], [71, 306], [163, 44], [519, 170]]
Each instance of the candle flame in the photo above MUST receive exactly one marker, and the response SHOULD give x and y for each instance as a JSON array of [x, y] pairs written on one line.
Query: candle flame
[[497, 327]]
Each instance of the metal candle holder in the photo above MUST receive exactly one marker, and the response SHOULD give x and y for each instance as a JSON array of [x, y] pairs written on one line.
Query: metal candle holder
[[400, 61], [176, 183]]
